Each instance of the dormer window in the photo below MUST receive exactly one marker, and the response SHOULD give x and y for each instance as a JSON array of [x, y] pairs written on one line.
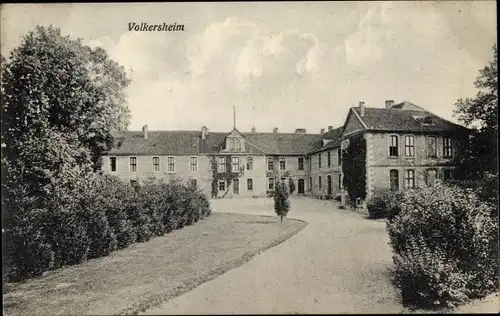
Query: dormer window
[[238, 145], [231, 144], [424, 120]]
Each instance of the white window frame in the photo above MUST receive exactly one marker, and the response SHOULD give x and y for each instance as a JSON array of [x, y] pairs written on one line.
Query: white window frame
[[413, 184], [193, 166], [156, 163], [447, 146], [171, 164], [133, 166], [221, 164], [235, 164], [411, 146], [249, 162], [282, 160]]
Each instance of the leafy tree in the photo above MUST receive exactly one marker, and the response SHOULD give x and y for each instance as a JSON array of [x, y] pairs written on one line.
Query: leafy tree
[[480, 113], [353, 168], [291, 185], [281, 202]]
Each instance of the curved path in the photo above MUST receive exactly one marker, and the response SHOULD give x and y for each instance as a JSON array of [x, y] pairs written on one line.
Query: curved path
[[337, 264]]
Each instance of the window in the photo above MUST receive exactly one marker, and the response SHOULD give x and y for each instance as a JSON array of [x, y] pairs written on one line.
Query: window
[[250, 184], [300, 162], [270, 183], [393, 146], [431, 147], [221, 164], [194, 163], [238, 145], [409, 146], [222, 185], [447, 146], [170, 163], [156, 164], [249, 163], [235, 164], [340, 181], [410, 179], [270, 163], [310, 183], [133, 164], [231, 144], [283, 163], [319, 182], [339, 156], [447, 175], [431, 176], [194, 183], [394, 179], [283, 180], [319, 161], [329, 160], [112, 163]]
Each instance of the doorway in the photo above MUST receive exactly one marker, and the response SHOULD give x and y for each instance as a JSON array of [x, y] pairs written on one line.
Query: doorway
[[329, 184], [236, 186], [301, 187]]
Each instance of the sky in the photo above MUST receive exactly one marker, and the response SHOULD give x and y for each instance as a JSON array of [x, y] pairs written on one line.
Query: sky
[[279, 64]]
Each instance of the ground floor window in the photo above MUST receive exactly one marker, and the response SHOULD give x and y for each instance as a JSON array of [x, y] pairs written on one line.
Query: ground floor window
[[319, 182], [394, 179], [250, 184], [410, 179], [194, 183], [270, 184], [431, 176], [222, 185], [447, 174], [310, 183]]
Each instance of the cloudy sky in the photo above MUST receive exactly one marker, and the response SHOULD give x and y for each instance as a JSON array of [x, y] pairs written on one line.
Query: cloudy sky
[[286, 65]]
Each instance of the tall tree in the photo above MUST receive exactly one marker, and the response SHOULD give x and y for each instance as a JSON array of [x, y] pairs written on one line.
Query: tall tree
[[480, 114]]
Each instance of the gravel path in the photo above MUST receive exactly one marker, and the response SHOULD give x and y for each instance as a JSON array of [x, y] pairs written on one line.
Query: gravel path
[[337, 264]]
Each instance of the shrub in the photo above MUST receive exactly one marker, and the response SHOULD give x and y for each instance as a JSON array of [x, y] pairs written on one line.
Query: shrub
[[383, 204], [291, 185], [445, 243], [281, 202]]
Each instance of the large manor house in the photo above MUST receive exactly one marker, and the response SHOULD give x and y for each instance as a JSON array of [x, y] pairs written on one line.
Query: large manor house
[[406, 147]]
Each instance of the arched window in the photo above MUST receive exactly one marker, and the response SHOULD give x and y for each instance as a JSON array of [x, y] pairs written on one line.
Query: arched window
[[393, 146]]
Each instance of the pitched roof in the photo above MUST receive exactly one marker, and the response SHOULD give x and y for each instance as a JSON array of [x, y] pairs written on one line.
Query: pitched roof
[[158, 143], [334, 140], [397, 118], [283, 143]]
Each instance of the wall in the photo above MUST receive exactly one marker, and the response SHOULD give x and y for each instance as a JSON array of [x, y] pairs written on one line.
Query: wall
[[257, 174], [334, 171]]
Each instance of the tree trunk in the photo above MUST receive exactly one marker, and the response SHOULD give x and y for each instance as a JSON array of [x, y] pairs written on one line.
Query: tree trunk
[[282, 218]]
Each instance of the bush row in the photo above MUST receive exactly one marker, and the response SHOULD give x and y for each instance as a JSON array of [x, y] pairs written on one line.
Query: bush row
[[445, 244], [99, 215]]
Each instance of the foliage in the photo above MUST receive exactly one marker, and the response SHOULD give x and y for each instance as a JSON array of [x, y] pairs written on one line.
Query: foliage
[[480, 113], [281, 201], [445, 243], [100, 214], [228, 175], [291, 185], [354, 168], [383, 204]]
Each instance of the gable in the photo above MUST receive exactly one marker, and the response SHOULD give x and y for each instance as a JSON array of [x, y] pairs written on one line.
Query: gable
[[352, 124], [235, 133]]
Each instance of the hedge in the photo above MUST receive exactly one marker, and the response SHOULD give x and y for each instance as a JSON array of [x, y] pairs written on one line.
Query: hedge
[[99, 215], [383, 204], [445, 244]]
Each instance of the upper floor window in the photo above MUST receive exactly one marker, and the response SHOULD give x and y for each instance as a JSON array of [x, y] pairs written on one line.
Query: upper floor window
[[319, 161], [410, 179], [282, 163], [112, 163], [447, 150], [238, 145], [194, 163], [329, 159], [156, 163], [300, 162], [171, 164], [393, 146], [133, 164], [249, 163], [394, 179], [431, 147], [221, 164], [270, 163], [235, 164], [409, 146], [231, 144], [339, 156]]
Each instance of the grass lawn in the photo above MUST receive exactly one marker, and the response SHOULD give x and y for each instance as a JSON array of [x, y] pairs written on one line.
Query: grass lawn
[[131, 280]]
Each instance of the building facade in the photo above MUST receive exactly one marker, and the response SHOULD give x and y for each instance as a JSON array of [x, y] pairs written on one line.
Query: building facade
[[406, 146]]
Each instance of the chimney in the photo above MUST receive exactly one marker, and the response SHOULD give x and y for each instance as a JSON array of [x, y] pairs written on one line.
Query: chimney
[[253, 129], [275, 130], [322, 131], [361, 108], [145, 130], [300, 131], [389, 104], [204, 132], [330, 128]]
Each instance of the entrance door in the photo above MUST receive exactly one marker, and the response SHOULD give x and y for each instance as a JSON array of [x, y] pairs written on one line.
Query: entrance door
[[301, 188], [329, 184], [236, 186]]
